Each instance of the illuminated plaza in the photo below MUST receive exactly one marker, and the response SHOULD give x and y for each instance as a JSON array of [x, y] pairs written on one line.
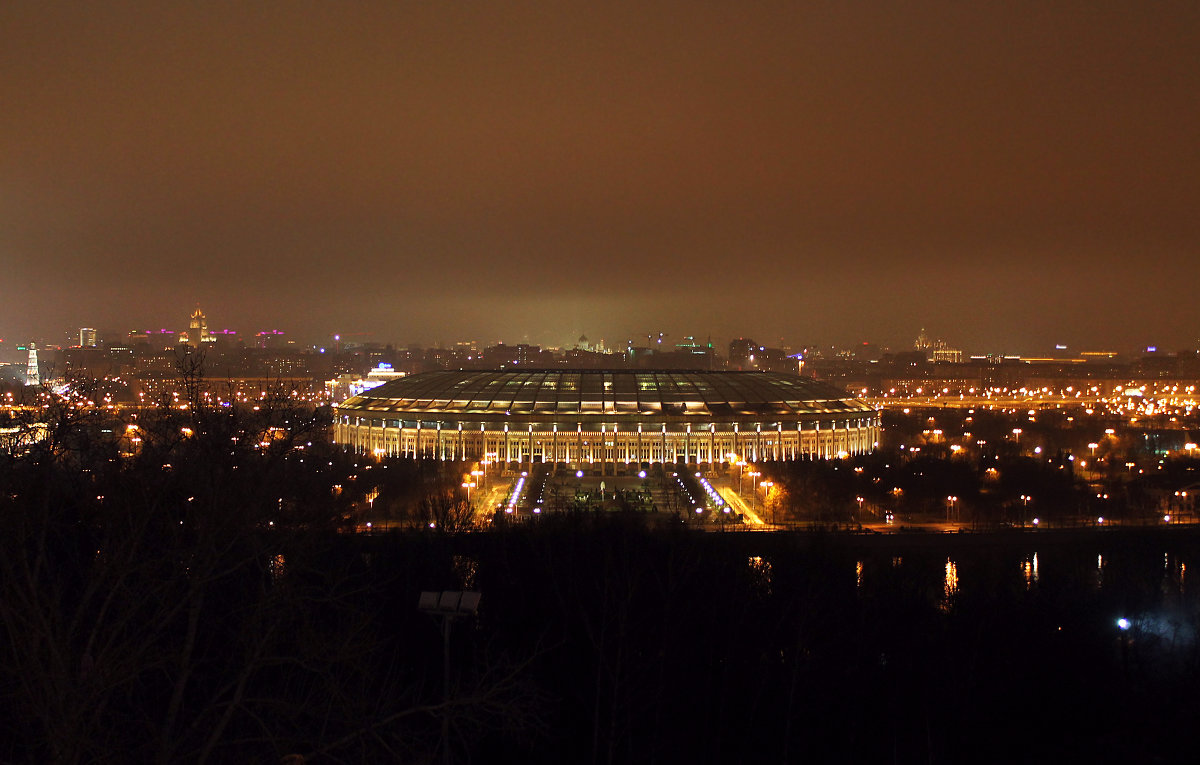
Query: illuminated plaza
[[614, 418]]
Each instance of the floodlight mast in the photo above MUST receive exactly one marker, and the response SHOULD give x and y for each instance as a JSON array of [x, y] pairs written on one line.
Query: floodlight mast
[[448, 605]]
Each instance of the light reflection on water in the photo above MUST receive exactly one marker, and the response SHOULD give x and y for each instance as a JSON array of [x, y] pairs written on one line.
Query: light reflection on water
[[1029, 571], [1174, 574], [278, 568], [1116, 576], [949, 584], [760, 573]]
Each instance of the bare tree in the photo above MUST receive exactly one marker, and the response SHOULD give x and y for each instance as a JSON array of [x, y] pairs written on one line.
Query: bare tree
[[445, 510], [142, 598], [189, 597]]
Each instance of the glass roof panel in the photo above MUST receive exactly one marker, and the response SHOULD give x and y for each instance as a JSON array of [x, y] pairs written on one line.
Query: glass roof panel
[[702, 393]]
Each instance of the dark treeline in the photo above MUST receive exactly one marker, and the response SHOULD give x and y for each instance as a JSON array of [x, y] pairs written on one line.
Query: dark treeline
[[200, 599], [989, 491]]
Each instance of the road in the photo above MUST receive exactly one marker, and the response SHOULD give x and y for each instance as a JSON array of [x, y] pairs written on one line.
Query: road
[[739, 505], [485, 502]]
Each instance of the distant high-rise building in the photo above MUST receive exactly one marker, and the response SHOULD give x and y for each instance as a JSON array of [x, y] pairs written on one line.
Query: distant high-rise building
[[87, 337], [741, 353], [923, 343], [948, 355], [197, 331], [32, 375], [521, 354], [270, 338], [945, 354]]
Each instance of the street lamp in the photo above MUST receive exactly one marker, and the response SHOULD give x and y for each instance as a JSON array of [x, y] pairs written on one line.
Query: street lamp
[[468, 485], [767, 486], [448, 606], [950, 503], [741, 466]]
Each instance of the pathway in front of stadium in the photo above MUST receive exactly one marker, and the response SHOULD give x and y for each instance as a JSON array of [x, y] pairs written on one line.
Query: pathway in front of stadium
[[739, 505]]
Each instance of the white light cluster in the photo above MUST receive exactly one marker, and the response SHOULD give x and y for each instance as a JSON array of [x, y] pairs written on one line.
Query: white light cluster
[[713, 496], [516, 495]]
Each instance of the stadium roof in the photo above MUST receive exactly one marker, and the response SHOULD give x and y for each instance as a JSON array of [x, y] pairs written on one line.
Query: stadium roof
[[556, 394]]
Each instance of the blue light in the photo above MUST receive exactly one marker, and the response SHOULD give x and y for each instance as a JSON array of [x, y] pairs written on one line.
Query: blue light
[[1123, 623]]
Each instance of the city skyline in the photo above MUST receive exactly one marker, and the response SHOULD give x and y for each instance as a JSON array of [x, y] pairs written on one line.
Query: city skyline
[[176, 331], [1010, 177]]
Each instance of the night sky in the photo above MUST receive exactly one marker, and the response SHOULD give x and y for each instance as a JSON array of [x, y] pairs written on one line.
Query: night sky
[[1008, 175]]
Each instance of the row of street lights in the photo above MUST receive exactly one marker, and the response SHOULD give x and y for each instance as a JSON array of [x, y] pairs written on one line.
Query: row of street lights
[[754, 475]]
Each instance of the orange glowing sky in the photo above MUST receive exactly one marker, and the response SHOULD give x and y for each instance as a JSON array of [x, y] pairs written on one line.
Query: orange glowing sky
[[1008, 175]]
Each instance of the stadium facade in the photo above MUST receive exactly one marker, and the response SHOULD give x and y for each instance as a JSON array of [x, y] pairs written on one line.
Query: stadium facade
[[615, 417]]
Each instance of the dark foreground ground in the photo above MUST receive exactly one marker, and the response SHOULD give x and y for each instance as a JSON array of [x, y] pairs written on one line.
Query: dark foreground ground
[[599, 641]]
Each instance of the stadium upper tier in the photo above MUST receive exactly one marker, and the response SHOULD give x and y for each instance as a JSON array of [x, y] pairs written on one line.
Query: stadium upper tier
[[526, 415]]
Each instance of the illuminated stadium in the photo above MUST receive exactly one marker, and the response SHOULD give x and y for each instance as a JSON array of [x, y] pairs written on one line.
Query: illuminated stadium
[[612, 417]]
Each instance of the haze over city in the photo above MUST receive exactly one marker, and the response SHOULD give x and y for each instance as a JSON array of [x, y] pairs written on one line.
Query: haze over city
[[1011, 176]]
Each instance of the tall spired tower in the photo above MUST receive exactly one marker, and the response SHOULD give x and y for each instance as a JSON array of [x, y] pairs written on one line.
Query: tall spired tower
[[198, 329], [32, 376]]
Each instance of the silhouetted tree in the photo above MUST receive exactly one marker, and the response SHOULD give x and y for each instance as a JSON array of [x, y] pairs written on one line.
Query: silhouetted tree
[[445, 510]]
